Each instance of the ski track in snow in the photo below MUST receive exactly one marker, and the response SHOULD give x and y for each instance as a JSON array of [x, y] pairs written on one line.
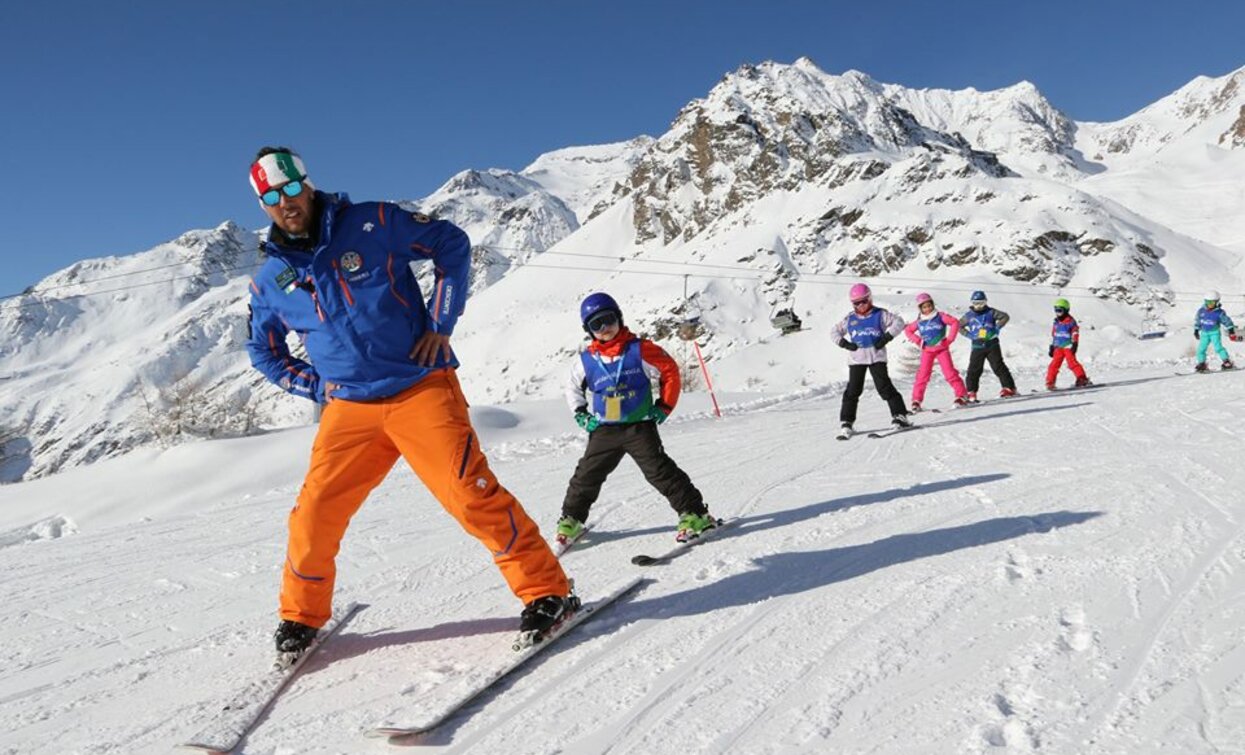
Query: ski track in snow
[[1055, 574]]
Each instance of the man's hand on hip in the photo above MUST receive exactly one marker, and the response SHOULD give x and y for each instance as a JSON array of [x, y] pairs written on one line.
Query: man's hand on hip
[[430, 346]]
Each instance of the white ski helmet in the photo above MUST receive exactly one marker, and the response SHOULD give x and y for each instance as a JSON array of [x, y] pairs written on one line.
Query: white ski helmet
[[1211, 296]]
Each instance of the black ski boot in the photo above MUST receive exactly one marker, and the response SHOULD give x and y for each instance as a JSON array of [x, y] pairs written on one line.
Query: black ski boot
[[1199, 367], [900, 421], [293, 639], [542, 615]]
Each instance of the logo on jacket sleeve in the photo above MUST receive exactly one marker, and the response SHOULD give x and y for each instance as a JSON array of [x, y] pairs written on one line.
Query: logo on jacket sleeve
[[351, 262]]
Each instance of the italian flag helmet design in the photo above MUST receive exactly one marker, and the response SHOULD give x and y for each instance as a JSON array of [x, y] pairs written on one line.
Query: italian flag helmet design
[[276, 169]]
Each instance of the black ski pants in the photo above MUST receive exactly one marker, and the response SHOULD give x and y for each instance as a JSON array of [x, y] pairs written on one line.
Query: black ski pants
[[976, 363], [856, 386], [606, 447]]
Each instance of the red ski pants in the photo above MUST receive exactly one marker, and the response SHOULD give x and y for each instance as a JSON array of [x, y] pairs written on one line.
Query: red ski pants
[[1057, 361], [356, 446]]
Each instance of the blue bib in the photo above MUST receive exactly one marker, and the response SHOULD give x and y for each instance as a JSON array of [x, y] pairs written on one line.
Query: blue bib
[[1061, 334], [865, 331], [621, 392], [932, 330], [1209, 319], [980, 326]]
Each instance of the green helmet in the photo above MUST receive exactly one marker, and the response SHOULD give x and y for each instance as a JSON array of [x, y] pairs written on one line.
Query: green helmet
[[1062, 304]]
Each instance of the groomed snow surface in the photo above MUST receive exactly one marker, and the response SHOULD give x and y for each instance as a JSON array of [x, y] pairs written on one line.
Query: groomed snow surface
[[1057, 573]]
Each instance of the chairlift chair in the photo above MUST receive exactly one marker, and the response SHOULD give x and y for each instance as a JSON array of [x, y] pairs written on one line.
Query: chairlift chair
[[786, 321]]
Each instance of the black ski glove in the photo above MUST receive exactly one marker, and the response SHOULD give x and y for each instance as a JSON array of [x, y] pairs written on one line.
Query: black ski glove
[[1051, 351], [885, 339], [1074, 345], [1197, 334], [846, 344]]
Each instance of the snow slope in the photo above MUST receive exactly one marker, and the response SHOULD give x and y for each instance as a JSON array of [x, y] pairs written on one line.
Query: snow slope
[[1058, 573]]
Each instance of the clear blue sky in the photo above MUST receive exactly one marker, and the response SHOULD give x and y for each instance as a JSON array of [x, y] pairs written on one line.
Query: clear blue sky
[[124, 124]]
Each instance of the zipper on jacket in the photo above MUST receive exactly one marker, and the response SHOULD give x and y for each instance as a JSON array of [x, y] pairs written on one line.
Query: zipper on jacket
[[311, 287], [393, 283], [342, 282]]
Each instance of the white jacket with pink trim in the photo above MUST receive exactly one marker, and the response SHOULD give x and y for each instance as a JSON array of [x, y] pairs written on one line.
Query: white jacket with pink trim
[[891, 324]]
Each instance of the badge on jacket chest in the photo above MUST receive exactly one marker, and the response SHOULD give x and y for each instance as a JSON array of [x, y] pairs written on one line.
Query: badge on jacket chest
[[351, 262]]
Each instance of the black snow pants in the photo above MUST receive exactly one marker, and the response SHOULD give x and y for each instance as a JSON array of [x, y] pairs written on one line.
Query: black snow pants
[[856, 386], [606, 447], [976, 364]]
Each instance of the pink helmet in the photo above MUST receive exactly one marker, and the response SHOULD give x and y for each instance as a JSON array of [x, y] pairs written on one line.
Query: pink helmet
[[923, 297], [859, 292]]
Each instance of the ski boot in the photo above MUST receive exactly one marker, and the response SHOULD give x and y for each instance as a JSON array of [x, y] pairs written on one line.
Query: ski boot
[[901, 421], [1051, 387], [1007, 393], [542, 616], [845, 431], [1083, 383], [1200, 367], [293, 639], [961, 401], [569, 530], [1227, 365], [971, 397], [692, 526], [916, 407]]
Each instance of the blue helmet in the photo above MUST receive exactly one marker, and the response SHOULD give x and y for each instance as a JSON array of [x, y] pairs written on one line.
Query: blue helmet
[[598, 302], [978, 296]]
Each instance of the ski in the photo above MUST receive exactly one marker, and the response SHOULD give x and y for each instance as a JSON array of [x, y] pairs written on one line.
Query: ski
[[1068, 388], [434, 718], [560, 548], [895, 431], [681, 548], [246, 708]]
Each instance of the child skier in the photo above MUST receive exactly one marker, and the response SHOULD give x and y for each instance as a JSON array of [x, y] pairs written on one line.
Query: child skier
[[621, 419], [1065, 337], [982, 323], [1210, 318], [934, 332], [865, 332]]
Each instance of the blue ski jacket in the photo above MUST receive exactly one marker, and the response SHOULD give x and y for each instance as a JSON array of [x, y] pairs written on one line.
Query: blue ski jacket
[[354, 301]]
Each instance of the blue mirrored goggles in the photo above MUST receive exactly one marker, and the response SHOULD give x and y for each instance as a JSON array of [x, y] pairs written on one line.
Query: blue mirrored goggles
[[600, 322], [272, 197]]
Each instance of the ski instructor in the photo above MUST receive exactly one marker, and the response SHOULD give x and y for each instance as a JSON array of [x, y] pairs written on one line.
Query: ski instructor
[[338, 274]]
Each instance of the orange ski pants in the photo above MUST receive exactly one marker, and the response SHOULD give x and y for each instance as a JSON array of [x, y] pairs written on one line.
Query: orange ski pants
[[356, 446]]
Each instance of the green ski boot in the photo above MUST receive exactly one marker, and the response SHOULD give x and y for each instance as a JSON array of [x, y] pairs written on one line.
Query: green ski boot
[[691, 526]]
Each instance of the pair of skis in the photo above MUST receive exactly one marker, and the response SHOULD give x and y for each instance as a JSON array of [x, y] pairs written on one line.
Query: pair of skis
[[845, 434], [561, 547], [239, 717], [586, 612]]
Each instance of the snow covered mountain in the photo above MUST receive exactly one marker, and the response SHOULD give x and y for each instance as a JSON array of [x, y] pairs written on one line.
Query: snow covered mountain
[[779, 188]]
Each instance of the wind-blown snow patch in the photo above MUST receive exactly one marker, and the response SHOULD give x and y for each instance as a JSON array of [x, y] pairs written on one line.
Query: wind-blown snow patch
[[52, 528]]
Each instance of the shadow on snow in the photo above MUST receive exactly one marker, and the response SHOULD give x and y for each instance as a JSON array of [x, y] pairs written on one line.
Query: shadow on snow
[[782, 574]]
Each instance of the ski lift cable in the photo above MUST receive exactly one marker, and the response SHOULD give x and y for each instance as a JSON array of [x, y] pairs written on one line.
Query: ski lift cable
[[750, 274], [837, 278]]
